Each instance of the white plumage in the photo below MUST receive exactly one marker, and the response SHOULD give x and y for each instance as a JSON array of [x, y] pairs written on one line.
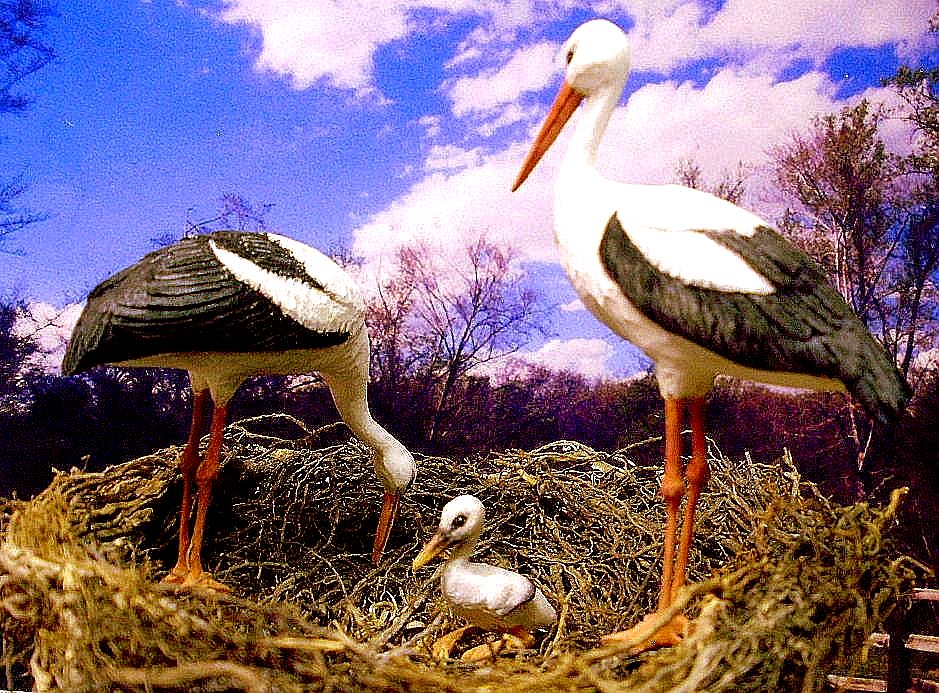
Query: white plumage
[[489, 597], [702, 286], [337, 305], [225, 307]]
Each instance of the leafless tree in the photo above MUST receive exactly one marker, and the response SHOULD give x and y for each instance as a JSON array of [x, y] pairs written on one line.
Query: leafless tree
[[440, 317], [22, 53], [732, 185], [852, 207]]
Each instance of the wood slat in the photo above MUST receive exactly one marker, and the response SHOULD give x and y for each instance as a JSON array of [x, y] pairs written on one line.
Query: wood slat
[[856, 683], [919, 643]]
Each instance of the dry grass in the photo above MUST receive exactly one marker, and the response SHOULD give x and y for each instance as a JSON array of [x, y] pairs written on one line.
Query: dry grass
[[785, 583]]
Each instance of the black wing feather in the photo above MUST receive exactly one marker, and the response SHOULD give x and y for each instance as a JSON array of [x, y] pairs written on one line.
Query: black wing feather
[[804, 326], [182, 299]]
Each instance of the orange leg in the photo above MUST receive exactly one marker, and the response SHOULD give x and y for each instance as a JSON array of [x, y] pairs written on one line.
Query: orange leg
[[205, 479], [188, 463], [697, 475], [444, 645], [516, 638], [673, 490]]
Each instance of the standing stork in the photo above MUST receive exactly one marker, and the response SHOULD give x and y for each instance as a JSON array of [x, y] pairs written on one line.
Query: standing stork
[[226, 306], [701, 286]]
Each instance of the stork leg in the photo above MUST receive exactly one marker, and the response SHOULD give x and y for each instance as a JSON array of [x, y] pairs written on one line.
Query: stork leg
[[444, 645], [205, 479], [516, 638], [696, 475], [673, 490], [188, 464]]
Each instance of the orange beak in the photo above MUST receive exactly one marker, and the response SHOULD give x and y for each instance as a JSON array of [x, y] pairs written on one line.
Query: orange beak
[[565, 103], [389, 511], [437, 544]]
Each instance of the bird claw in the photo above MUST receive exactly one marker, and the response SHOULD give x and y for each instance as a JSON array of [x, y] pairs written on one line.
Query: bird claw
[[184, 580], [517, 639], [177, 576], [205, 581], [668, 635], [443, 647]]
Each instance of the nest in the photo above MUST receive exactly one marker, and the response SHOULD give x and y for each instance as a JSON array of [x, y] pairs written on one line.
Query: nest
[[785, 585]]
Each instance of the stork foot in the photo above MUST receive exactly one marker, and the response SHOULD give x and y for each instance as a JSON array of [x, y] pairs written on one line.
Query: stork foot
[[205, 581], [516, 639], [443, 647], [182, 579], [177, 576], [672, 633]]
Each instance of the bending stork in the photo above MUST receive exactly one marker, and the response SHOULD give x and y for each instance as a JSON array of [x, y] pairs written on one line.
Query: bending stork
[[224, 307]]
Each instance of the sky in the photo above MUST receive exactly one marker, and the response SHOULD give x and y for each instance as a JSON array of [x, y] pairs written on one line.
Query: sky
[[369, 124]]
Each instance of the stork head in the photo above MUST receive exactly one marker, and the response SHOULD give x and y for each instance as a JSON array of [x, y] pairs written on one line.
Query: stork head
[[396, 469], [597, 57], [461, 523]]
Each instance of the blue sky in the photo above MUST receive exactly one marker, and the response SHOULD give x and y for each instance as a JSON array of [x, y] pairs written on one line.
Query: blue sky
[[375, 123]]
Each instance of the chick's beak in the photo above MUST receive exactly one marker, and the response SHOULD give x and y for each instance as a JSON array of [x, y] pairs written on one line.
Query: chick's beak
[[565, 103], [437, 544], [389, 511]]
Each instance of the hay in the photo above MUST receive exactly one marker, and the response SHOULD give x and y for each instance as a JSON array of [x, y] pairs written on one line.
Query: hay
[[786, 584]]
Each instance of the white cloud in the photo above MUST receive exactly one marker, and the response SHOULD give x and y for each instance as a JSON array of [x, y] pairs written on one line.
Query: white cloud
[[335, 42], [330, 41], [51, 328], [529, 69], [818, 27], [587, 357], [453, 207], [669, 34], [735, 117]]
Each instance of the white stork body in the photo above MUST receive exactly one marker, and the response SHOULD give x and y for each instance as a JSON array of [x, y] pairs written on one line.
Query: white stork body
[[227, 306], [585, 202], [702, 286], [489, 597]]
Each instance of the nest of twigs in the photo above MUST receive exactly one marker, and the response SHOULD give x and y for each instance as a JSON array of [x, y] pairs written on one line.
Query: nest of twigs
[[786, 584]]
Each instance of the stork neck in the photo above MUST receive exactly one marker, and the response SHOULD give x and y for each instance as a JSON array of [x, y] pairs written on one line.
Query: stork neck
[[459, 555], [591, 125], [349, 392]]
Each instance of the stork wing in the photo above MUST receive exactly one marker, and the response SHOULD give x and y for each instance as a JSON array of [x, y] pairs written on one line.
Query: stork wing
[[501, 591], [801, 325], [183, 298]]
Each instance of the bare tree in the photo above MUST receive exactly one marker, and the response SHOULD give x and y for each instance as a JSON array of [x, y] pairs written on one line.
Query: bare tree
[[731, 186], [441, 317], [235, 213], [918, 293], [843, 185], [853, 208], [16, 351], [22, 53]]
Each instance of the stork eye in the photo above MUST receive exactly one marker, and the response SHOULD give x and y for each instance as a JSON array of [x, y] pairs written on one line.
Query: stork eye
[[458, 522], [570, 55]]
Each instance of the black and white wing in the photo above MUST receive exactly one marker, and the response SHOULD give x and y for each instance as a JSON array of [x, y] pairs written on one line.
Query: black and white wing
[[783, 317], [222, 292]]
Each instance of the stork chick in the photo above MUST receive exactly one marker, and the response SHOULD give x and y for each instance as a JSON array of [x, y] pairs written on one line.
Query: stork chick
[[489, 597]]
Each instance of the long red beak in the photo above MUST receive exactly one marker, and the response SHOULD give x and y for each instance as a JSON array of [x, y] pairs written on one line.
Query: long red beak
[[389, 511], [565, 103]]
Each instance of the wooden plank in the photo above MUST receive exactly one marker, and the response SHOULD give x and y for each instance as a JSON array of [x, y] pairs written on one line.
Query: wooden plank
[[856, 683], [923, 643], [926, 595], [919, 643]]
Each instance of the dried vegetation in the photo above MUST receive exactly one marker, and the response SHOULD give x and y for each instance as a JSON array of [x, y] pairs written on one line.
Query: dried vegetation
[[786, 585]]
